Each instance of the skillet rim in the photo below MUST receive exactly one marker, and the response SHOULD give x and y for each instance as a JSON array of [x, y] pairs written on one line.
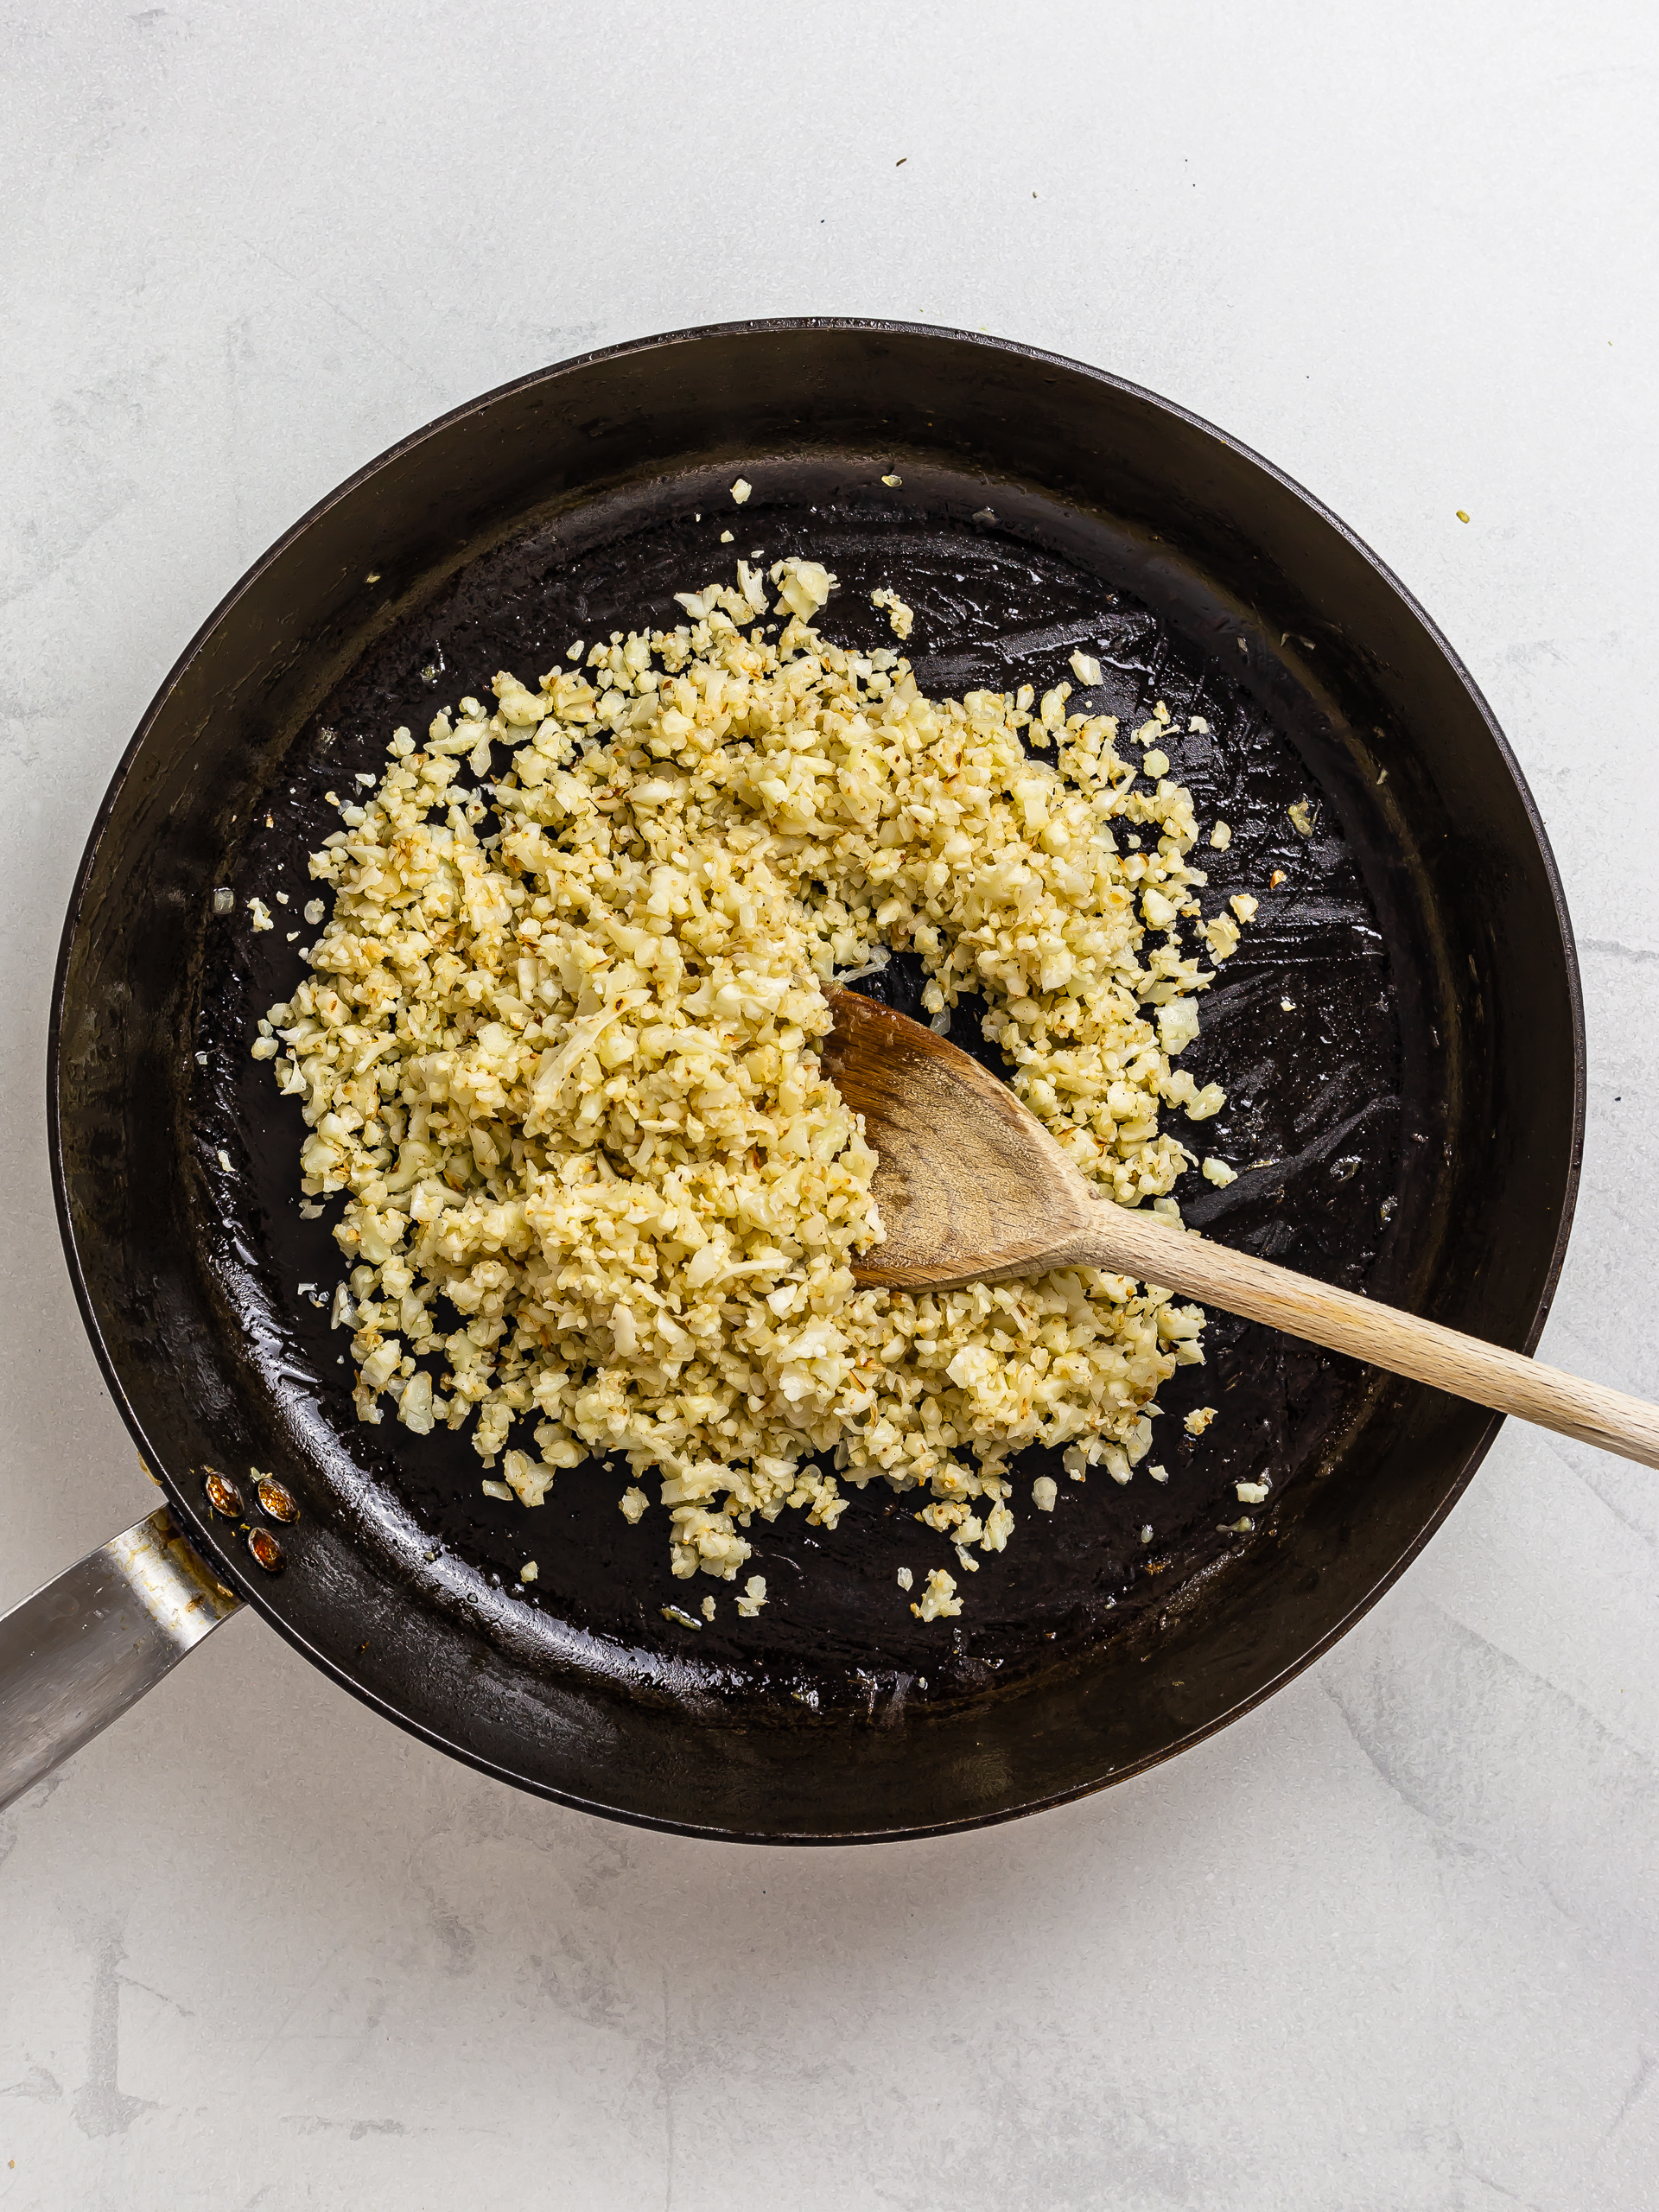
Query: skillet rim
[[228, 1567]]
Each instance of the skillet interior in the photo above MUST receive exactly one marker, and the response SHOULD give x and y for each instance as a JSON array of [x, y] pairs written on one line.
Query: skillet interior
[[1419, 1095]]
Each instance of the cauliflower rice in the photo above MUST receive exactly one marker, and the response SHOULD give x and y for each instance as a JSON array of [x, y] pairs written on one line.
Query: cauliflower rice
[[559, 1053]]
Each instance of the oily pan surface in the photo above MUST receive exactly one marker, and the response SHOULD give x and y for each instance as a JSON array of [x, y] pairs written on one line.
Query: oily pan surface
[[1313, 1085]]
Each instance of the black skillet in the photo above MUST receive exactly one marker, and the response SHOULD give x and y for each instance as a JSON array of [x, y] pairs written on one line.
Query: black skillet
[[1399, 1037]]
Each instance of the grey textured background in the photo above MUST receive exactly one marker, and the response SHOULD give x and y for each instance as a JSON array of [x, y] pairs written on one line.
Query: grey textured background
[[1390, 1943]]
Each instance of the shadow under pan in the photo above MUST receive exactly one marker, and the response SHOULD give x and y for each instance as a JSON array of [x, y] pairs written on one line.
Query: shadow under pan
[[1398, 1036]]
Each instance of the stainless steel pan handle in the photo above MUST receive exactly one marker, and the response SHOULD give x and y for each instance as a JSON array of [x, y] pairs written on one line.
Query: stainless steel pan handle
[[91, 1640]]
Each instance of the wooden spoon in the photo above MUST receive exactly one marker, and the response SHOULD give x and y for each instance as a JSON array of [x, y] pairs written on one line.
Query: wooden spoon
[[972, 1189]]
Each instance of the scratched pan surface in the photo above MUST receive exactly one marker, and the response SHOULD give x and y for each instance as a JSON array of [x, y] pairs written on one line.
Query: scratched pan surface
[[1398, 1037]]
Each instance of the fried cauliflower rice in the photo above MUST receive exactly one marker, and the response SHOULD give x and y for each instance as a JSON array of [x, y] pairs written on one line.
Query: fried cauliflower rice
[[560, 1052]]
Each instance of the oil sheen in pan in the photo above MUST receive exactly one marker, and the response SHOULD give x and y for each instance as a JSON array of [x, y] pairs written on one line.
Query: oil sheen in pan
[[1303, 1028]]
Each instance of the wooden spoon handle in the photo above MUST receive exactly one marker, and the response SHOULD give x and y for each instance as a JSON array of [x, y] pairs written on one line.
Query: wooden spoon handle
[[1152, 1251]]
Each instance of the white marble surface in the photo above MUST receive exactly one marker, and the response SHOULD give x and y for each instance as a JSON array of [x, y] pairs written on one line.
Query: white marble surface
[[1390, 1943]]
